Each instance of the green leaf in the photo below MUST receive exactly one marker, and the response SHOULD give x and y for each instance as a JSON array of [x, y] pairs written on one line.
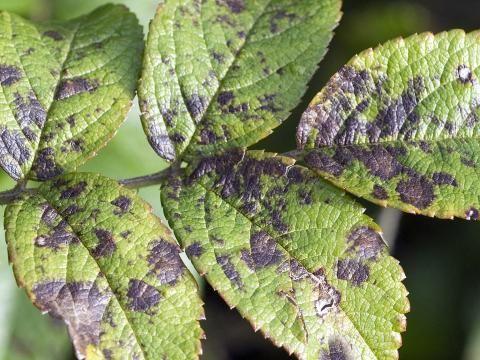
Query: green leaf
[[399, 125], [295, 255], [66, 87], [90, 252], [219, 74]]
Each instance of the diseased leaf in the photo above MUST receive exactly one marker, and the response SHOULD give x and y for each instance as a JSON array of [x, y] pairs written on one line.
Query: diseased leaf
[[219, 74], [66, 87], [295, 255], [399, 125], [90, 252]]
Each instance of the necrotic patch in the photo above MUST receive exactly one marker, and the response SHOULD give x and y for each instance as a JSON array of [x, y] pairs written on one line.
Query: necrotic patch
[[80, 304]]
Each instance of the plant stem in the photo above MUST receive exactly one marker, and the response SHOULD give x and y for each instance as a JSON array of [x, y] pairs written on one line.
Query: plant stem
[[8, 196]]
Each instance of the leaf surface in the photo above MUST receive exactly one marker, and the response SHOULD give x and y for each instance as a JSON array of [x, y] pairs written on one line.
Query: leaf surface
[[399, 125], [292, 253], [90, 252], [65, 88], [223, 73]]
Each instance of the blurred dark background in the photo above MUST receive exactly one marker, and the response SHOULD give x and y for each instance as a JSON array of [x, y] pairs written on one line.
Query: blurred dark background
[[441, 258]]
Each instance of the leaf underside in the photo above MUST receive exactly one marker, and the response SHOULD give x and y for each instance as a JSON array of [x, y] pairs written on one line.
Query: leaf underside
[[90, 252], [399, 125], [65, 88], [292, 253], [219, 74]]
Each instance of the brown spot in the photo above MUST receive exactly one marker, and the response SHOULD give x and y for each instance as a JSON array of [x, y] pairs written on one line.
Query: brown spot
[[55, 35], [471, 214], [194, 250], [165, 259], [352, 271], [468, 162], [379, 192], [229, 270], [365, 242], [9, 74], [142, 296], [122, 203], [80, 304], [71, 87], [74, 191], [380, 161], [60, 234], [442, 178], [417, 191], [125, 234], [45, 166], [106, 243]]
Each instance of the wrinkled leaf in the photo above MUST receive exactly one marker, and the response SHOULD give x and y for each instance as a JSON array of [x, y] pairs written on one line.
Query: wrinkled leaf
[[223, 73], [90, 252], [295, 255], [399, 125], [66, 87]]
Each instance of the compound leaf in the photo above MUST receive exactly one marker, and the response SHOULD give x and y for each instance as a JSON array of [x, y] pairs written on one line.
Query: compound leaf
[[90, 252], [66, 87], [219, 74], [399, 125], [297, 257]]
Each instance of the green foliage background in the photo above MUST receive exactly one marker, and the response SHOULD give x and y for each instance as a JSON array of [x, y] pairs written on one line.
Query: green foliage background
[[439, 257]]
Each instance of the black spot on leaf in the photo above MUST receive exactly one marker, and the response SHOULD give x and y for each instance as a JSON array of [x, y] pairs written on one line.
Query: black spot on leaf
[[164, 257], [73, 191], [71, 87], [9, 74], [264, 250], [472, 214], [353, 271], [106, 243], [122, 204], [195, 105], [365, 242], [229, 270], [142, 296], [45, 166], [442, 178], [29, 111], [194, 250], [379, 192], [336, 351], [55, 35], [225, 98], [14, 145], [417, 191], [235, 6]]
